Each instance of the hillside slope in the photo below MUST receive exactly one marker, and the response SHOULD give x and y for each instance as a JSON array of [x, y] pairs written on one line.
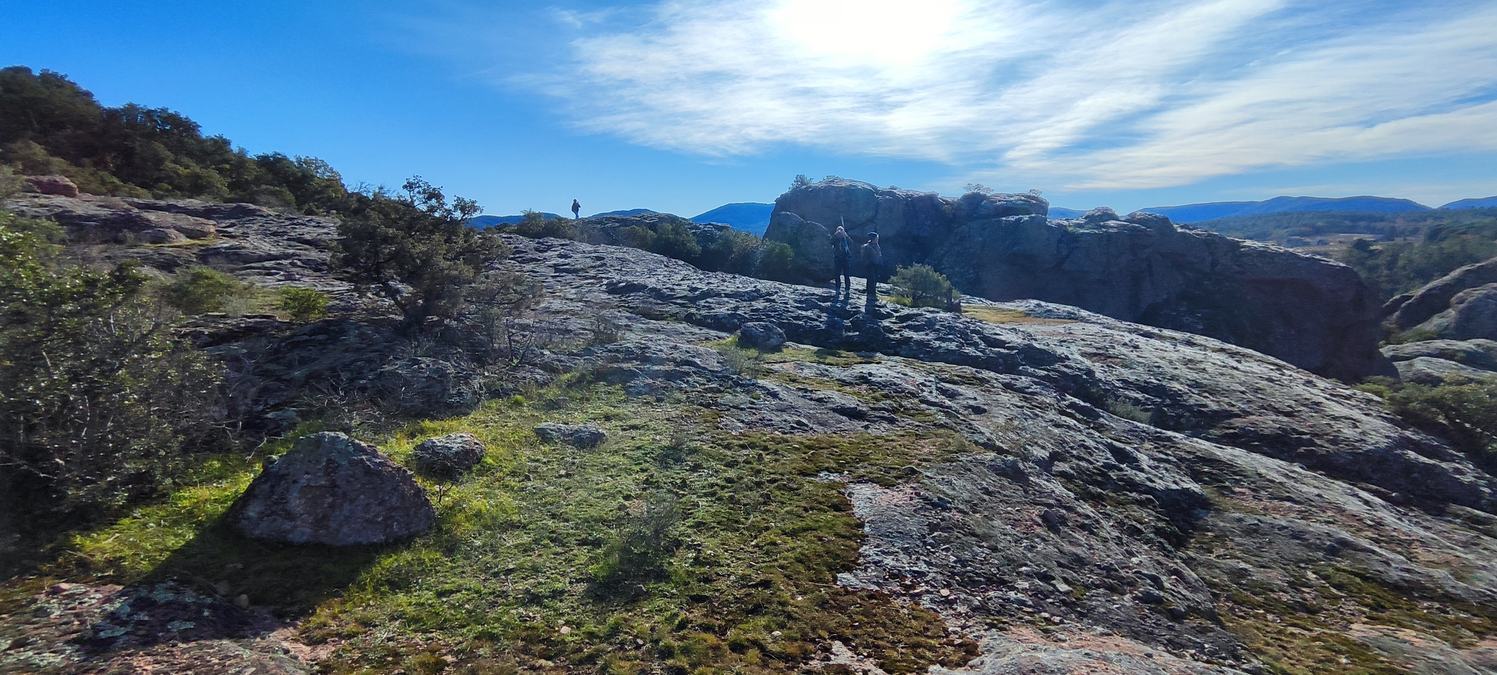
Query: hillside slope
[[1029, 487], [751, 217]]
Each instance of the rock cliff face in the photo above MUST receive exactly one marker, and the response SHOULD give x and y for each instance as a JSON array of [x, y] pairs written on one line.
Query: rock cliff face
[[1308, 311]]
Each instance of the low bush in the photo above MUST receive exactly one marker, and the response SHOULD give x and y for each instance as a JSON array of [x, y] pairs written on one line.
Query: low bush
[[198, 290], [775, 261], [923, 286], [1461, 410], [98, 400], [302, 304], [742, 362], [537, 226], [641, 548]]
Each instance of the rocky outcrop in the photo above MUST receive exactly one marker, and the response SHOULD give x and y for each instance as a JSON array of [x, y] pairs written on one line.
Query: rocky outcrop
[[1309, 311], [1408, 311], [51, 185], [447, 457], [251, 242], [1472, 315], [1133, 499], [331, 489]]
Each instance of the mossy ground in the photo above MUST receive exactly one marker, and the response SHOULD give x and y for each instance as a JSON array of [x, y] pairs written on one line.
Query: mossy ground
[[746, 579], [1000, 315], [1300, 624]]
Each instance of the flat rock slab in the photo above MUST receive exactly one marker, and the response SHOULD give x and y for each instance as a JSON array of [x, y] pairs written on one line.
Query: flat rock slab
[[576, 435], [331, 489]]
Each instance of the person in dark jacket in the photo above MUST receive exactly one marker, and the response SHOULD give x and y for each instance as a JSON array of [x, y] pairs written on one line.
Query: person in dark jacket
[[841, 261], [873, 265], [576, 209]]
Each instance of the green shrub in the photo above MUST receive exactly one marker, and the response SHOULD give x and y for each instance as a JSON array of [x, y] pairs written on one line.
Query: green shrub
[[415, 249], [303, 304], [10, 183], [197, 290], [776, 260], [673, 240], [536, 226], [923, 286], [640, 549], [742, 362], [1462, 411], [729, 251], [97, 398]]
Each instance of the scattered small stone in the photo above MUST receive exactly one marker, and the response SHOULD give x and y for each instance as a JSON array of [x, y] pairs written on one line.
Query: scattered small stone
[[583, 436], [242, 601]]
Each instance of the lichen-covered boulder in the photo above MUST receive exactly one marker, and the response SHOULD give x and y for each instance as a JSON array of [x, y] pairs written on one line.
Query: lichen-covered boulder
[[576, 435], [447, 457], [1472, 316], [761, 335], [331, 489]]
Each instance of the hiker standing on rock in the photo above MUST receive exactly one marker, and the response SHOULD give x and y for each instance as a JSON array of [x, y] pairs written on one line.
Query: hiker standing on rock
[[576, 209], [841, 261], [873, 263]]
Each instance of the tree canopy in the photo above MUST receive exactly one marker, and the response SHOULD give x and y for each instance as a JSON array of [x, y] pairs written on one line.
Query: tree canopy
[[50, 125]]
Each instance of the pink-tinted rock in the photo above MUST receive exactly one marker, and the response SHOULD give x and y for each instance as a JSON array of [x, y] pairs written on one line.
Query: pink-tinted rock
[[52, 185]]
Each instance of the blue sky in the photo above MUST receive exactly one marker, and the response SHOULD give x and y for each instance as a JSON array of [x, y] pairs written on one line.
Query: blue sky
[[682, 105]]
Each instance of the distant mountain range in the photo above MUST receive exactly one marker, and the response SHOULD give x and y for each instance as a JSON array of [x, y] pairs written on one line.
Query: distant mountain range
[[1481, 203], [751, 217], [1198, 213]]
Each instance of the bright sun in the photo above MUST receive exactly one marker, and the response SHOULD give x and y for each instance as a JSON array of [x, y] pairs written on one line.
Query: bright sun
[[873, 32]]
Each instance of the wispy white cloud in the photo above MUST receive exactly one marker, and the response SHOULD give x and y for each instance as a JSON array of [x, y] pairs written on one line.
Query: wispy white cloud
[[1116, 94]]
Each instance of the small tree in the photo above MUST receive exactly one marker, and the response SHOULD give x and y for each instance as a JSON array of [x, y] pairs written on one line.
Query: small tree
[[415, 249], [923, 286], [800, 181]]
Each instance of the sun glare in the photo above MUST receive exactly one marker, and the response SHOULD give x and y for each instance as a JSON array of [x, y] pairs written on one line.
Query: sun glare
[[873, 32]]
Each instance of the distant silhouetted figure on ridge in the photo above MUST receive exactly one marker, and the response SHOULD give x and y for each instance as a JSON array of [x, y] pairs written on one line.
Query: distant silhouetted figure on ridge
[[576, 209]]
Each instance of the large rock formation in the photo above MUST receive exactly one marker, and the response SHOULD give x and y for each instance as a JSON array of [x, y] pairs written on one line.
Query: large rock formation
[[1309, 311], [1408, 311], [1452, 322], [331, 489]]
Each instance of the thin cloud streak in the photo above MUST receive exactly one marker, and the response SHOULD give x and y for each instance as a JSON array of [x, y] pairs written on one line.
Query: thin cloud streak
[[1117, 95]]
